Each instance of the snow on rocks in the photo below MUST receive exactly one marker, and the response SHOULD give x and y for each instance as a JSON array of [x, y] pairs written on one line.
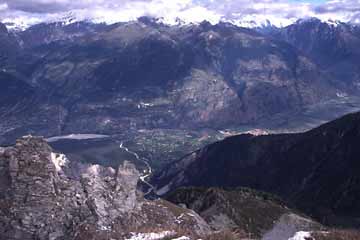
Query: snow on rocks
[[179, 219], [301, 236], [181, 238], [59, 160], [151, 236]]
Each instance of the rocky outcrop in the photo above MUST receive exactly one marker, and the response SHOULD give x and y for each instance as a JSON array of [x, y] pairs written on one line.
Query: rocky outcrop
[[41, 202], [257, 214], [41, 198], [110, 194], [3, 29], [8, 45]]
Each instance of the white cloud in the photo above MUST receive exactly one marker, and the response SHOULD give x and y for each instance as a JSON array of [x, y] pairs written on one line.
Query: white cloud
[[198, 14], [169, 11], [3, 6]]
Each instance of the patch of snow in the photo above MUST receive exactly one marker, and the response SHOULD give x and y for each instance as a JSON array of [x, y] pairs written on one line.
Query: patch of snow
[[223, 132], [181, 238], [107, 121], [105, 228], [257, 132], [93, 169], [145, 105], [341, 95], [150, 236], [332, 22], [301, 236], [59, 160], [179, 219], [20, 23], [76, 137]]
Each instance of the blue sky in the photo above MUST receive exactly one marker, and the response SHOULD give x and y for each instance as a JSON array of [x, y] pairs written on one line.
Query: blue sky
[[241, 12]]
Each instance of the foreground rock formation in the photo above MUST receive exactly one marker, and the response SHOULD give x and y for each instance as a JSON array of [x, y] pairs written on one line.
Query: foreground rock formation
[[44, 196]]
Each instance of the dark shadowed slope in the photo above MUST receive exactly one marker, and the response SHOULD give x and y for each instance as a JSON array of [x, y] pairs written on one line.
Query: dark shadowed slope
[[318, 171]]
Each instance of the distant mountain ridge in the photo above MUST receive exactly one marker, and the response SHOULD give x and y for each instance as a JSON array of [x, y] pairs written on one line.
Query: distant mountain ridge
[[145, 74]]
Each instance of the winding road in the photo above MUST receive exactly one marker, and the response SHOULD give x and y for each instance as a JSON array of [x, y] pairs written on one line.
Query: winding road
[[146, 173]]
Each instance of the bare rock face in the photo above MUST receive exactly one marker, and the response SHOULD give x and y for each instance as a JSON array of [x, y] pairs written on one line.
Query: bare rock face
[[110, 194], [41, 198], [3, 29], [41, 201]]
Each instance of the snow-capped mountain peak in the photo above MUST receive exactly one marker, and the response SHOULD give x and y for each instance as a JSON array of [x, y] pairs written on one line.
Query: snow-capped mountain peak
[[247, 21]]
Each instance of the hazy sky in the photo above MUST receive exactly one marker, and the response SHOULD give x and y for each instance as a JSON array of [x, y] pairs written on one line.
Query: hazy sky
[[277, 11]]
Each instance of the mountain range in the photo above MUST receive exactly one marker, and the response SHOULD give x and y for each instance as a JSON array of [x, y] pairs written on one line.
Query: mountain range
[[86, 77], [149, 92]]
